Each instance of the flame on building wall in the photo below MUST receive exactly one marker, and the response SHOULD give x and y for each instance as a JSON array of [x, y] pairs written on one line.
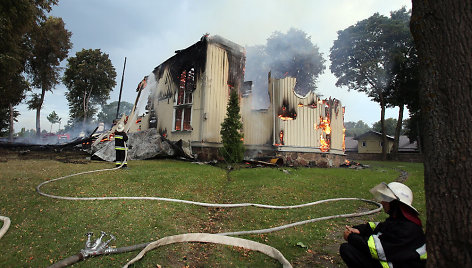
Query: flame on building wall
[[324, 144], [325, 126], [285, 113], [281, 138], [325, 136]]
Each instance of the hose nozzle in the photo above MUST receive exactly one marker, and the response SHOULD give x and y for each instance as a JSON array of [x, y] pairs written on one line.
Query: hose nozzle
[[98, 247]]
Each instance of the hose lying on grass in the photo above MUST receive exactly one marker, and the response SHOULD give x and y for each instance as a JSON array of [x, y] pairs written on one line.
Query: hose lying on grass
[[222, 238], [6, 225]]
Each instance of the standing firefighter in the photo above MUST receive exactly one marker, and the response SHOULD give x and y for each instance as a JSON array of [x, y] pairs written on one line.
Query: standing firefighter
[[399, 241], [120, 148]]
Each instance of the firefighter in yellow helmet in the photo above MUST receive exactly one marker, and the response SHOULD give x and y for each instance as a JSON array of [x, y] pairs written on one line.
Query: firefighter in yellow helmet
[[399, 241], [120, 139]]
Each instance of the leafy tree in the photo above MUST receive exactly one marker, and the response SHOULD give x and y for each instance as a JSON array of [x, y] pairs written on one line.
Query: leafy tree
[[4, 121], [50, 44], [53, 118], [390, 126], [290, 54], [354, 129], [362, 58], [17, 20], [405, 91], [442, 31], [233, 147], [11, 98], [293, 54], [403, 85], [89, 77], [108, 112], [26, 133]]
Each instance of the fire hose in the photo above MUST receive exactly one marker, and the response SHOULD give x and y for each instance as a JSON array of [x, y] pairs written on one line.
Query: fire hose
[[101, 248], [6, 225]]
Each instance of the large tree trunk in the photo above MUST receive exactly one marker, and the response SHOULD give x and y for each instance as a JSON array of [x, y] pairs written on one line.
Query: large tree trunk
[[398, 131], [382, 125], [442, 30], [38, 123], [10, 129]]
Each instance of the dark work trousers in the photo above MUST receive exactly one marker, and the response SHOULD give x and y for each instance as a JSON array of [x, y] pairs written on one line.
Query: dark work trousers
[[355, 258], [120, 158]]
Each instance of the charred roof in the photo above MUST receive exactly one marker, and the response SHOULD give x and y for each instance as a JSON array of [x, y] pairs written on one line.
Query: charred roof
[[195, 57]]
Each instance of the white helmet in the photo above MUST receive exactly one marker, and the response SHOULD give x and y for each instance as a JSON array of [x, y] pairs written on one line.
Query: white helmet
[[394, 191], [120, 127]]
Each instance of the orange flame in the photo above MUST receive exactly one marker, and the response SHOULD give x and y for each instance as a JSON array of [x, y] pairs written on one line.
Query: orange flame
[[285, 117], [325, 125], [324, 147], [344, 139]]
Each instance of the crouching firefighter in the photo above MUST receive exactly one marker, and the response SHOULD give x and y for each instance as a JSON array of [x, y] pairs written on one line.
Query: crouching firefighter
[[120, 148], [399, 241]]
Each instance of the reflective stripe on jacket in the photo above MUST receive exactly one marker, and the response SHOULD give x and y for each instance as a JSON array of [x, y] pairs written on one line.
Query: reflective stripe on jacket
[[373, 225], [422, 252], [392, 242], [377, 252], [120, 139]]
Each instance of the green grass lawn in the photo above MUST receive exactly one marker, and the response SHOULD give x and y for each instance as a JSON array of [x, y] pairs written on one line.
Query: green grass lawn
[[45, 230]]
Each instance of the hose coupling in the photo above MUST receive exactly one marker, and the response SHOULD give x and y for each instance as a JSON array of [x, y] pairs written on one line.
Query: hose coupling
[[98, 247]]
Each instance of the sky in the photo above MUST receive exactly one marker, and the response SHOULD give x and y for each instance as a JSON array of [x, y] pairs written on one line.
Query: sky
[[148, 32]]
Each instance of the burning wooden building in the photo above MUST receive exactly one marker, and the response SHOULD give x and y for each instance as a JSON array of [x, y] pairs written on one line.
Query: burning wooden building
[[302, 130], [185, 98]]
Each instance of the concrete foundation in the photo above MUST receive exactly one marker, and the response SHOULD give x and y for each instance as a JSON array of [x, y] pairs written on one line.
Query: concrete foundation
[[296, 159], [304, 159]]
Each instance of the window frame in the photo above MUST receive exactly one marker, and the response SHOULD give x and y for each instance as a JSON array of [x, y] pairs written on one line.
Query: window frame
[[183, 101]]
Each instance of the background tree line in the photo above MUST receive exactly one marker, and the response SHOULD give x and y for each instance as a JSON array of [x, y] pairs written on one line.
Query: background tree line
[[377, 56], [354, 129], [32, 49]]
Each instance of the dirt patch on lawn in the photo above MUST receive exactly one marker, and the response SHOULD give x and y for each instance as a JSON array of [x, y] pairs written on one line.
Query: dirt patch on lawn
[[327, 254]]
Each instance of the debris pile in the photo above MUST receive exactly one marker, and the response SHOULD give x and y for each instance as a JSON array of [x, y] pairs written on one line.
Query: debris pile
[[353, 165], [142, 145]]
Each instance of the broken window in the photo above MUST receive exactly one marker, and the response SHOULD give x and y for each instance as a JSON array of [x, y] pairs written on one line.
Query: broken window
[[187, 113], [184, 100], [364, 144], [178, 119]]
